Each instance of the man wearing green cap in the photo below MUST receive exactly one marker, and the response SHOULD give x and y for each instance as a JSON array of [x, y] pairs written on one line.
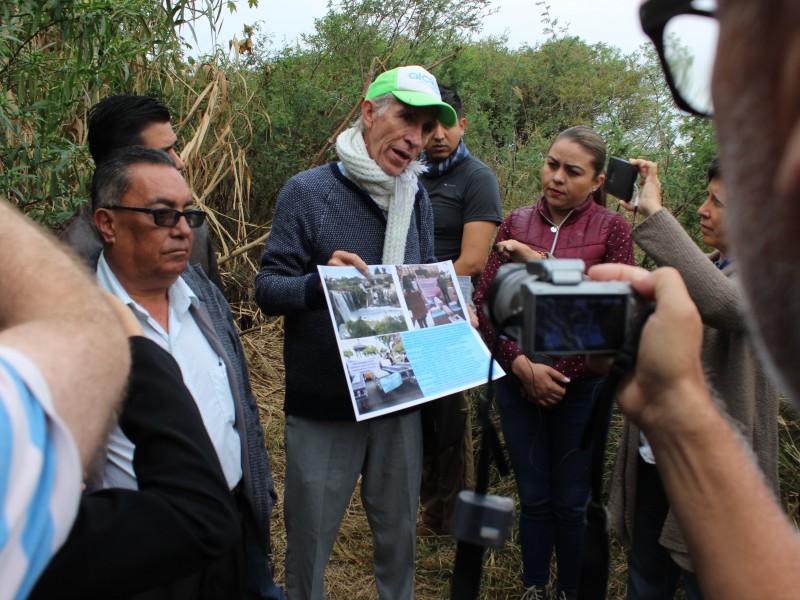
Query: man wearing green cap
[[367, 208]]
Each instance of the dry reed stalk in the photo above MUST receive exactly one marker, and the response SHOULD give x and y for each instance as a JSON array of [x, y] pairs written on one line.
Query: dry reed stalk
[[215, 155], [243, 249]]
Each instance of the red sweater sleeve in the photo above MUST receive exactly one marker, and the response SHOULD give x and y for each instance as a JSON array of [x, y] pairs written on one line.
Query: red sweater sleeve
[[507, 350], [619, 244]]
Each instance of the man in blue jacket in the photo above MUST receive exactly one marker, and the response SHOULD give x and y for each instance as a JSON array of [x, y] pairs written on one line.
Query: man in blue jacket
[[368, 208]]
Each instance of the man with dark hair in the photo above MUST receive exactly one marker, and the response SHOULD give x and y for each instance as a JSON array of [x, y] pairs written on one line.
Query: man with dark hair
[[465, 197], [144, 212], [126, 120], [741, 543], [464, 193]]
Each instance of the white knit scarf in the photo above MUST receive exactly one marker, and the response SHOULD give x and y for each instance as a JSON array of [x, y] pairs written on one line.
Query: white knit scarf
[[393, 194]]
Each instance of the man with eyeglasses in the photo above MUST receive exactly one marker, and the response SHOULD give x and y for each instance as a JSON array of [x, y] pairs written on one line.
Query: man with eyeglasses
[[144, 212], [741, 543]]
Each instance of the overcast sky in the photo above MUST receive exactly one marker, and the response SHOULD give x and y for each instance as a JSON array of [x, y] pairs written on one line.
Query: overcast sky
[[614, 22]]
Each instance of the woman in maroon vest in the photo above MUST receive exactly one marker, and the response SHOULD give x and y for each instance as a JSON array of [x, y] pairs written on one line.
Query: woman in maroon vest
[[545, 405]]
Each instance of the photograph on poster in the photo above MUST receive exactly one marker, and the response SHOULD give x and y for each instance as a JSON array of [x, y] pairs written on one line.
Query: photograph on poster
[[380, 375], [430, 295], [403, 336], [364, 306]]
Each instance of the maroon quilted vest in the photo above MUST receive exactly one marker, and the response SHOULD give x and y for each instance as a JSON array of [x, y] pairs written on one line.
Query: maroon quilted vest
[[582, 234]]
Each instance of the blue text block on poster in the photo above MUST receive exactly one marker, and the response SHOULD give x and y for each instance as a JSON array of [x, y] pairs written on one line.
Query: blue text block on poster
[[447, 359]]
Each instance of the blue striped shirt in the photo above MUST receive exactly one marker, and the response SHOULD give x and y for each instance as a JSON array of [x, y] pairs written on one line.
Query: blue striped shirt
[[40, 476]]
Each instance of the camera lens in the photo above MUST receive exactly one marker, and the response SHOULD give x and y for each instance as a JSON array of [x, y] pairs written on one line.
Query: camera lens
[[502, 299]]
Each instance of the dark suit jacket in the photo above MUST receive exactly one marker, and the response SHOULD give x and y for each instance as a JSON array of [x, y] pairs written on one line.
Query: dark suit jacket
[[182, 518]]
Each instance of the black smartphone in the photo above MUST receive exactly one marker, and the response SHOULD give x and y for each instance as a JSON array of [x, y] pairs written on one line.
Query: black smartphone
[[620, 178]]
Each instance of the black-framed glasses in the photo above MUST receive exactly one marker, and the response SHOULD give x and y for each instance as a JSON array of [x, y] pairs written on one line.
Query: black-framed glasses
[[168, 217], [685, 34]]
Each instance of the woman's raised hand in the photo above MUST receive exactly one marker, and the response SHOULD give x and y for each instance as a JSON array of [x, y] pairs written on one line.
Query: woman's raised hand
[[517, 251], [650, 192]]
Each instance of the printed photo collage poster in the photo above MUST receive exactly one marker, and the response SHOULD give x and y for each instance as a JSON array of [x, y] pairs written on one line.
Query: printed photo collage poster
[[404, 335]]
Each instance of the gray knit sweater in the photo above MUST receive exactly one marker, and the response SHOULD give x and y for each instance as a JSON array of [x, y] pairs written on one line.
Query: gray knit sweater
[[214, 317], [735, 374], [318, 212]]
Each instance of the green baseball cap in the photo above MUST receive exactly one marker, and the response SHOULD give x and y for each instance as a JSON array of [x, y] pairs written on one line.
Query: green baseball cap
[[413, 85]]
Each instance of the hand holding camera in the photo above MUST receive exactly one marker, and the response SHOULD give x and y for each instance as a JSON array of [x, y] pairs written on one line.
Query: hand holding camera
[[668, 365], [549, 309], [650, 191]]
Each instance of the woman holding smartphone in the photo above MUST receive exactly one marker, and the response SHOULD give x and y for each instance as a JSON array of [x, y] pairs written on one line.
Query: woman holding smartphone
[[658, 557], [544, 404]]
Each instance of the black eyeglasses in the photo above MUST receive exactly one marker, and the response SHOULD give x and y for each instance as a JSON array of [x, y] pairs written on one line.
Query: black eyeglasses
[[685, 36], [168, 217]]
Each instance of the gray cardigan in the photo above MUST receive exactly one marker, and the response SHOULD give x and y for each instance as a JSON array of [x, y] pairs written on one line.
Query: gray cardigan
[[734, 372], [213, 316]]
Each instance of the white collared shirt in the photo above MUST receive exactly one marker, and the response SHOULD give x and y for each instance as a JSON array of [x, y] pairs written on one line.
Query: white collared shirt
[[203, 371]]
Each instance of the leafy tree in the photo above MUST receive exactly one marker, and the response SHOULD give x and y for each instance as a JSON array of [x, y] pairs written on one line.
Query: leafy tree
[[252, 120], [516, 102], [359, 329], [684, 171], [314, 90], [58, 57]]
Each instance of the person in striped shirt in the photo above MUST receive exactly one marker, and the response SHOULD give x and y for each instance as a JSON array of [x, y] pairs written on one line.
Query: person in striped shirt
[[64, 360]]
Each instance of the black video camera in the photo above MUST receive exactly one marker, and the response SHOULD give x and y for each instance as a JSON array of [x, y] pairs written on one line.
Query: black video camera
[[550, 309]]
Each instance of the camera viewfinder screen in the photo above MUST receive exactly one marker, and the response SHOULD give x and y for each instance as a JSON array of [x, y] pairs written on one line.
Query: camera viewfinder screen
[[575, 324]]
